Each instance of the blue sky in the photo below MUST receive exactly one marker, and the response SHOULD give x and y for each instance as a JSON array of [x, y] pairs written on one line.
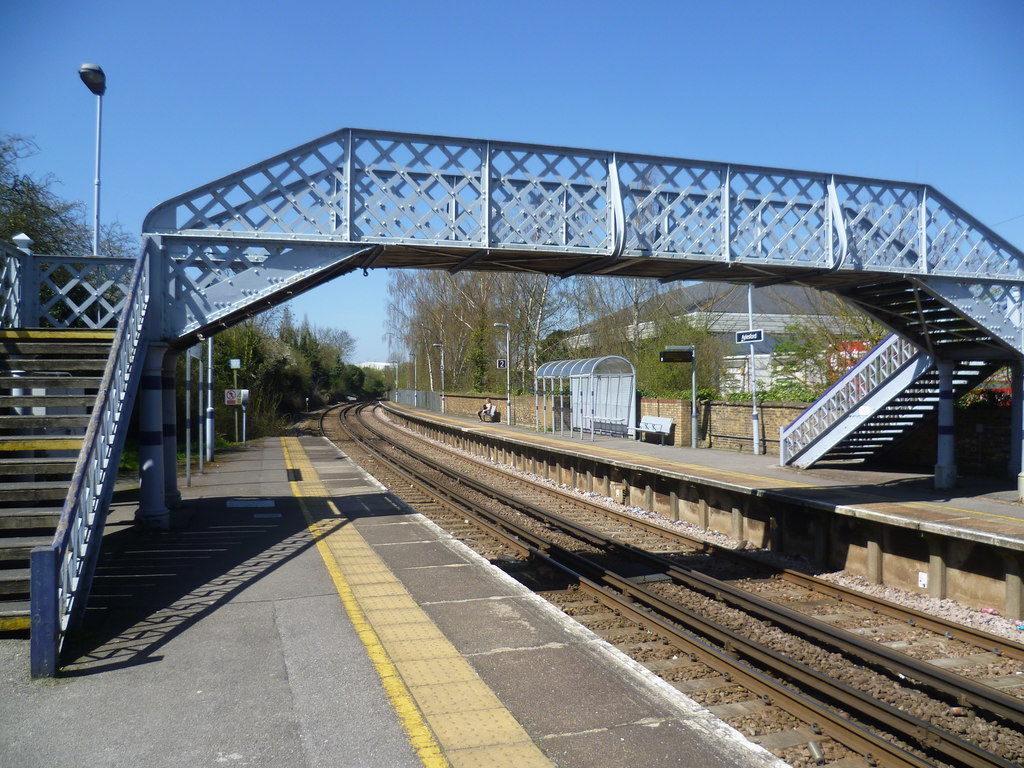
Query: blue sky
[[925, 91]]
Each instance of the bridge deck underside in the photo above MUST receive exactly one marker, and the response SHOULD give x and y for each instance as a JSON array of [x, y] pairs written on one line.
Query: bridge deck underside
[[565, 264]]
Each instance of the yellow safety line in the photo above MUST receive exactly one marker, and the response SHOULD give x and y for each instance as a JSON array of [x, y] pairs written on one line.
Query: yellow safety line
[[420, 736], [15, 624], [57, 333], [460, 712]]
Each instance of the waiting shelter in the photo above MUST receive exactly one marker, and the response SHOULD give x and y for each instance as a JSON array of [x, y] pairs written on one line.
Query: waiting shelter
[[602, 396]]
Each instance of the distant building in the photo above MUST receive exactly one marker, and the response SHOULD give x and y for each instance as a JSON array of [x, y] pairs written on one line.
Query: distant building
[[722, 309]]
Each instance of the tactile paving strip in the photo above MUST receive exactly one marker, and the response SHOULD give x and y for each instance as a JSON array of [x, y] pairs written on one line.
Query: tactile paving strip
[[451, 715]]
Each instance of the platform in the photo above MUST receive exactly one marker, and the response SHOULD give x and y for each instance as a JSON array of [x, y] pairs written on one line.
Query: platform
[[983, 509], [298, 615]]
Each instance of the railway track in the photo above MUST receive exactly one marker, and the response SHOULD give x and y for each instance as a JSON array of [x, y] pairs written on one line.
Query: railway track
[[793, 662]]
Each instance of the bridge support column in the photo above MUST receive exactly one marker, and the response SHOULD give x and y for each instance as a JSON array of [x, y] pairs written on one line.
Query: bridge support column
[[945, 465], [936, 566], [1017, 426], [152, 512], [172, 496], [1013, 603]]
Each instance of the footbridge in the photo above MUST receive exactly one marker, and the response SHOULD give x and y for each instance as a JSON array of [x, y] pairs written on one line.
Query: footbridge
[[948, 287]]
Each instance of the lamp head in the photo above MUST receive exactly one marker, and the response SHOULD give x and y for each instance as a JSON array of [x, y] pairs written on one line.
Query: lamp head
[[93, 77]]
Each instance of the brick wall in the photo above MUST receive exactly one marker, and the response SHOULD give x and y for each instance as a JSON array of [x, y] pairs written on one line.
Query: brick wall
[[982, 439], [724, 425]]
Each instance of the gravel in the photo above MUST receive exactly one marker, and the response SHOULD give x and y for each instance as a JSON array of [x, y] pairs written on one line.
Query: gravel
[[988, 619]]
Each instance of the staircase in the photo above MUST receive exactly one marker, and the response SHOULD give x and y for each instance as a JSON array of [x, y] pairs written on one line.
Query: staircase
[[880, 400], [49, 379]]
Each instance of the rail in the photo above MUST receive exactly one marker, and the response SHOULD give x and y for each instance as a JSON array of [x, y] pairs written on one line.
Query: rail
[[738, 652]]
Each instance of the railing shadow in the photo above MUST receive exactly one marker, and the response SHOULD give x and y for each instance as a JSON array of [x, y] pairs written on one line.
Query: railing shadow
[[151, 587]]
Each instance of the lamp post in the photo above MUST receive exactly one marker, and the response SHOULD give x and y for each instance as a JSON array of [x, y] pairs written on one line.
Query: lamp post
[[508, 371], [394, 364], [415, 392], [441, 346], [94, 79]]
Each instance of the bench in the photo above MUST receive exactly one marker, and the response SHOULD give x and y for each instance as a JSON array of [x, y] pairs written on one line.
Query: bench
[[656, 425]]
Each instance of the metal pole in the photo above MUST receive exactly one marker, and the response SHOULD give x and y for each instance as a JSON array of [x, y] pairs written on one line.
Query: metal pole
[[693, 400], [508, 370], [753, 373], [96, 187], [536, 404], [441, 346], [235, 372], [200, 427], [188, 418], [209, 400], [508, 375], [415, 391]]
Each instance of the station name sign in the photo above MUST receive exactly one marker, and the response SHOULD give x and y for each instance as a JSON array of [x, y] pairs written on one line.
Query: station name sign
[[749, 337]]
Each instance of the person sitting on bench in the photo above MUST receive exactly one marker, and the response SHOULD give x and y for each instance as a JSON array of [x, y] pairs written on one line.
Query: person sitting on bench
[[486, 413]]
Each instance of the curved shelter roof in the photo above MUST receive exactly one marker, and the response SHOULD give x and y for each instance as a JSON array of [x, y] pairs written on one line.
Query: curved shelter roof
[[609, 365]]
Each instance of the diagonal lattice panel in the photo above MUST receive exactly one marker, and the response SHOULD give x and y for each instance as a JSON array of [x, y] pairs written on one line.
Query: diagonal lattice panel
[[87, 293], [298, 194], [883, 222], [779, 218], [955, 245], [671, 208], [554, 199], [417, 190]]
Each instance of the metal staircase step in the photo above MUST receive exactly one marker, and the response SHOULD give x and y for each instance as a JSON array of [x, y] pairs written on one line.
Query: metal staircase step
[[49, 383], [47, 401], [40, 348], [14, 615], [49, 465], [26, 518], [53, 365], [14, 581], [18, 547], [44, 421], [40, 443], [34, 491]]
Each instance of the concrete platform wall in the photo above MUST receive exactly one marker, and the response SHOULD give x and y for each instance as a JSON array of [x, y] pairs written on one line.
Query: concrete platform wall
[[982, 433], [898, 555]]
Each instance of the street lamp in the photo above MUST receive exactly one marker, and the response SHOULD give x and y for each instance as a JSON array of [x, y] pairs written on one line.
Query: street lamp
[[508, 371], [394, 364], [94, 79], [441, 346]]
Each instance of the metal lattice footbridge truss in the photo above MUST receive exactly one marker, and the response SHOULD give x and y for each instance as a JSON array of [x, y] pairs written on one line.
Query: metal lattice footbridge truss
[[948, 287]]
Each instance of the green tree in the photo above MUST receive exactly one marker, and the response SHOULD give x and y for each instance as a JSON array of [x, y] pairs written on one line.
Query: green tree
[[29, 204]]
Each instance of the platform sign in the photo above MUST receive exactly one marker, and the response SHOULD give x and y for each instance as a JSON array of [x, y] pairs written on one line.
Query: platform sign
[[749, 337], [236, 396], [502, 363]]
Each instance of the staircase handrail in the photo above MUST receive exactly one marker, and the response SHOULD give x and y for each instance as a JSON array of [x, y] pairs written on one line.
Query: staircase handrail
[[61, 572], [852, 389]]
